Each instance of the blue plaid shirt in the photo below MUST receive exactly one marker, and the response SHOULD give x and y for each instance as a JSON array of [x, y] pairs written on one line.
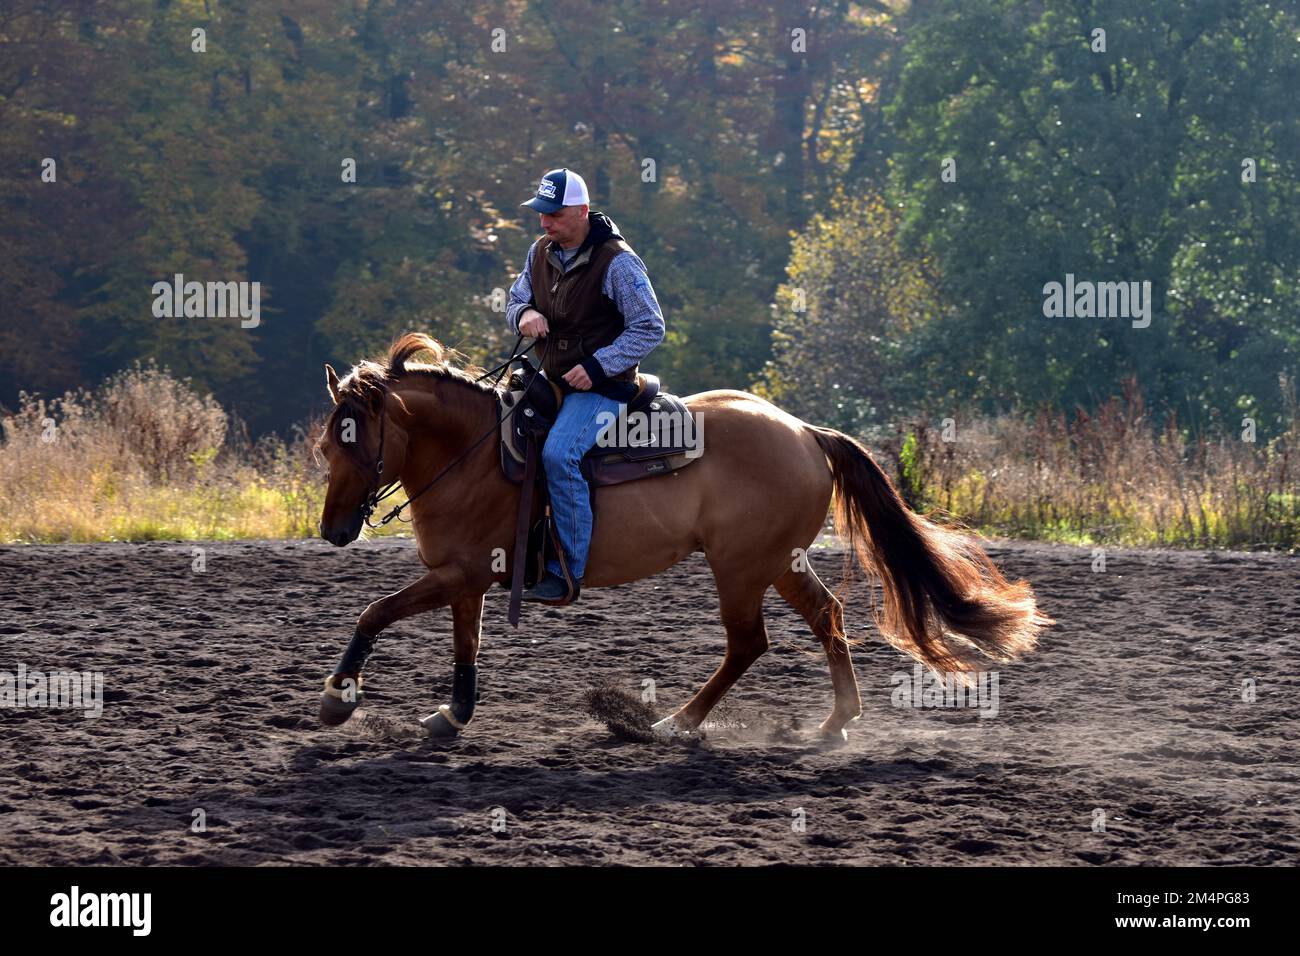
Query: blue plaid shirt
[[628, 285]]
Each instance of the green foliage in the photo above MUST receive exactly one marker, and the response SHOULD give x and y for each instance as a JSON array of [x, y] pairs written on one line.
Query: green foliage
[[911, 471], [226, 165], [1116, 165], [845, 316], [771, 172]]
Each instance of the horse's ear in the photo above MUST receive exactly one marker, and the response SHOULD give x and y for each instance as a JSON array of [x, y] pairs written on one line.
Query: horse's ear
[[332, 381]]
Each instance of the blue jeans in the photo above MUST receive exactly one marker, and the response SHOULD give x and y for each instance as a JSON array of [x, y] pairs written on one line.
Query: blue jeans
[[573, 435]]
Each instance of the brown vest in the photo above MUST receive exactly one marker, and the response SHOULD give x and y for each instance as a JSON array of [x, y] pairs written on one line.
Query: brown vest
[[580, 316]]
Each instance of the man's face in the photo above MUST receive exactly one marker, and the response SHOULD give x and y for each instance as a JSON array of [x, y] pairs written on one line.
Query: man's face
[[566, 226]]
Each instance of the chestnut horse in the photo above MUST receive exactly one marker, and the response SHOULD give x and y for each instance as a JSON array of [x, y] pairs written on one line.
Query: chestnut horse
[[753, 502]]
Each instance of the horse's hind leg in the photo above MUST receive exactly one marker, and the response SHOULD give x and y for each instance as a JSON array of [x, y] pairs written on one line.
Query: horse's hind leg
[[742, 616], [804, 591]]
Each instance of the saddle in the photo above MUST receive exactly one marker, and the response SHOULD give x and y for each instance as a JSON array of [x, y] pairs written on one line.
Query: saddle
[[659, 435]]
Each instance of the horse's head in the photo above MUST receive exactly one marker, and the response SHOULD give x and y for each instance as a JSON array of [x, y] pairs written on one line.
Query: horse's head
[[364, 449], [376, 406]]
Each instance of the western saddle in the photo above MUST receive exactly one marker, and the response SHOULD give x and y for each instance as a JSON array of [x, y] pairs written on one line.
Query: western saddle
[[658, 436]]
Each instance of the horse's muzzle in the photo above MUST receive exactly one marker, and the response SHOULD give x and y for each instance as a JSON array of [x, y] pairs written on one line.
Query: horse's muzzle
[[343, 535]]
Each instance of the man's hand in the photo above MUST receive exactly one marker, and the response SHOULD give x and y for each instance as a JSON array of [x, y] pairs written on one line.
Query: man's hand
[[578, 378], [533, 324]]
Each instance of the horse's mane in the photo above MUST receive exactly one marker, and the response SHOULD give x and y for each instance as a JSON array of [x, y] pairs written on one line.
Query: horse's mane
[[362, 389], [367, 380]]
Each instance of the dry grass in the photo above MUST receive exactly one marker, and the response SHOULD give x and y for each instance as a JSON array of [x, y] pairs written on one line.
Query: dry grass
[[1112, 477], [142, 458]]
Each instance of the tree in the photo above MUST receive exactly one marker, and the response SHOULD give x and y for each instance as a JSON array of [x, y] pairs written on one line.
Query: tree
[[845, 316], [1122, 164]]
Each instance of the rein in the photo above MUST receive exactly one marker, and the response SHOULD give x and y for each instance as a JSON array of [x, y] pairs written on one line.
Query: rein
[[373, 499]]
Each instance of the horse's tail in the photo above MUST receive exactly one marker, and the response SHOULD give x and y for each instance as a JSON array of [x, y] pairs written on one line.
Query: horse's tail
[[943, 598]]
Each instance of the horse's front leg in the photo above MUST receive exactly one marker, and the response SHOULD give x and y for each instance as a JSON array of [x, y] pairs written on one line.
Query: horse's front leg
[[466, 621], [342, 695]]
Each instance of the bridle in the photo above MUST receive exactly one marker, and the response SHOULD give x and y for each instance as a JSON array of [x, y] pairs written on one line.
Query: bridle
[[378, 494], [372, 496]]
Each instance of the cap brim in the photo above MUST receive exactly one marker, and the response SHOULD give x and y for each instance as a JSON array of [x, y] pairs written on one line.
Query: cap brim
[[543, 205]]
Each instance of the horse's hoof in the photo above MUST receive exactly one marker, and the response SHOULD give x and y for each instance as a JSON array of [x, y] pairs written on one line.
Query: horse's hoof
[[832, 735], [442, 723], [334, 709], [670, 728], [834, 738]]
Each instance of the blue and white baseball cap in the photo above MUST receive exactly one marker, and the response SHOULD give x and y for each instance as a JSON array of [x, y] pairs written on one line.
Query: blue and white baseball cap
[[559, 188]]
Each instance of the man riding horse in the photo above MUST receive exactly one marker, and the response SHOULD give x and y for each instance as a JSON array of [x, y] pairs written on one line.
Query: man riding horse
[[586, 293], [753, 506]]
